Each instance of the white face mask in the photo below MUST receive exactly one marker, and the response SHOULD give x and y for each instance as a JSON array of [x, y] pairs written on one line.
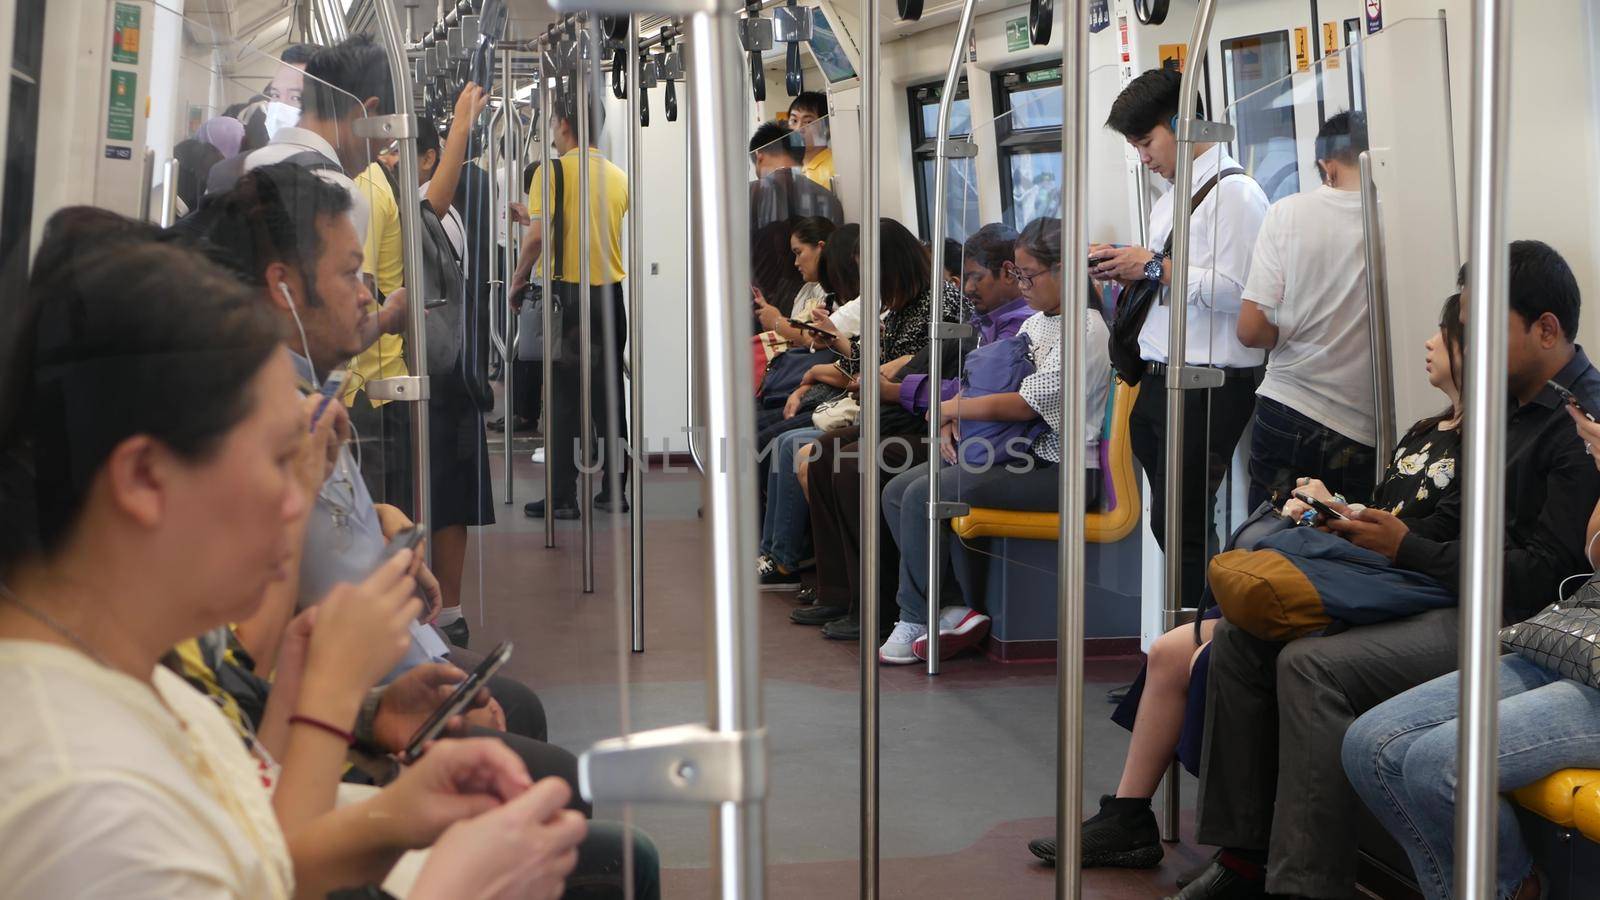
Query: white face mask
[[280, 115]]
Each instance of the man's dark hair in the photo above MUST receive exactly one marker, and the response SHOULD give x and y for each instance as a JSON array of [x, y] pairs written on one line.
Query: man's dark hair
[[1542, 282], [1343, 137], [340, 77], [1147, 101], [814, 102], [299, 54], [427, 136], [271, 216], [950, 259], [528, 171], [992, 246], [568, 113], [770, 137]]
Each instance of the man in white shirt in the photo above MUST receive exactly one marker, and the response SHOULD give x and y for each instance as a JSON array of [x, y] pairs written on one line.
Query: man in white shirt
[[1306, 305], [1222, 232]]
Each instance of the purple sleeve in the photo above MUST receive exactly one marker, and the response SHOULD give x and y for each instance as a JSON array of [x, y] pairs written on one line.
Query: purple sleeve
[[914, 392]]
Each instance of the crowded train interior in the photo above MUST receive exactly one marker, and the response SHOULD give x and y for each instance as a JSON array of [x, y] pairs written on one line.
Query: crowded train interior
[[800, 449]]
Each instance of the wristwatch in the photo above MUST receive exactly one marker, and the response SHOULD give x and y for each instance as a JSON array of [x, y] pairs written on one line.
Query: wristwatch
[[1152, 269]]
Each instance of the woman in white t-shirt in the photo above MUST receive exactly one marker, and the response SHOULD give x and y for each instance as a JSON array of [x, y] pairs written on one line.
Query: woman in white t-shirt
[[153, 457]]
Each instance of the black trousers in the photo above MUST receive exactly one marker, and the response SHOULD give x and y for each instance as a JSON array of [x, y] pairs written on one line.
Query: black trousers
[[1271, 774], [566, 401], [1213, 421], [833, 490]]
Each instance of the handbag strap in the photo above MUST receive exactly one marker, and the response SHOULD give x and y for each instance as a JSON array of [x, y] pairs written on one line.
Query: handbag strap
[[558, 237], [1200, 197]]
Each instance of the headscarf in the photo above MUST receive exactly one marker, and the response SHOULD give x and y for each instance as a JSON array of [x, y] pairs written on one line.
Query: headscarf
[[224, 133]]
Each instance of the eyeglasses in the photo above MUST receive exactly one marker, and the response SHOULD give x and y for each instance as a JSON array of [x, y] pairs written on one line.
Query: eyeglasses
[[1024, 279]]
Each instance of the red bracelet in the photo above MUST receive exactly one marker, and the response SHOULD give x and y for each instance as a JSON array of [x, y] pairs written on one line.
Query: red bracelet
[[348, 738]]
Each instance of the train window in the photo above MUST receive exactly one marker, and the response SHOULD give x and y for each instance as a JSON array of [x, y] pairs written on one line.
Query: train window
[[924, 122], [16, 211], [1357, 81], [1260, 98], [1028, 110]]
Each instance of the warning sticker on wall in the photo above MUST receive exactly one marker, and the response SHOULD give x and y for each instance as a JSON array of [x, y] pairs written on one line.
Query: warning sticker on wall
[[1302, 49], [1172, 56], [1330, 44], [125, 36], [119, 109], [1016, 34]]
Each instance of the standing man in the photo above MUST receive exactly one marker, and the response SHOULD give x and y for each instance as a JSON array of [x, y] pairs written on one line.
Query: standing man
[[1306, 305], [608, 202], [1222, 230], [808, 115]]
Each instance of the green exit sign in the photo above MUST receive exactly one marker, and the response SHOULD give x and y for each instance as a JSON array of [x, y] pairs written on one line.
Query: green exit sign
[[1017, 34]]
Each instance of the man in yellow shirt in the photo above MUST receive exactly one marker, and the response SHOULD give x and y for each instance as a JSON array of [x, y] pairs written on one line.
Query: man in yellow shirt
[[808, 115], [608, 202]]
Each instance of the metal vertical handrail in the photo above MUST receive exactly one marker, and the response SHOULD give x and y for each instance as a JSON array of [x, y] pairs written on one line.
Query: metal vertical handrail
[[941, 159], [497, 333], [416, 338], [1449, 129], [871, 400], [1070, 541], [1177, 360], [1484, 448], [635, 339], [586, 455], [509, 352], [169, 192], [546, 288], [696, 328], [716, 97], [1377, 278], [147, 178]]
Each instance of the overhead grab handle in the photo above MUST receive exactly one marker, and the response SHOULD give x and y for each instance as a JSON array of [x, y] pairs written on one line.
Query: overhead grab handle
[[755, 36], [792, 25]]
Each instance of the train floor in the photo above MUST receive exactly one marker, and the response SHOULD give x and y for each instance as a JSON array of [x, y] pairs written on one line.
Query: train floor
[[967, 758]]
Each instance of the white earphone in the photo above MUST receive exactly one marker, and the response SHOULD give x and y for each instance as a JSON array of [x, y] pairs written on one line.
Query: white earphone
[[305, 345]]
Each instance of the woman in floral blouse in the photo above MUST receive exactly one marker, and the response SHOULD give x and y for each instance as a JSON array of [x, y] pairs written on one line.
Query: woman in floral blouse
[[1166, 716]]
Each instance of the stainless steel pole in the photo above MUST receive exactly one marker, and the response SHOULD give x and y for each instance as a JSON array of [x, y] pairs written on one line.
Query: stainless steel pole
[[1378, 319], [498, 297], [641, 460], [546, 245], [941, 164], [147, 178], [716, 102], [1483, 445], [1449, 129], [1177, 346], [508, 158], [169, 192], [416, 340], [1070, 542], [586, 454], [871, 519], [696, 327]]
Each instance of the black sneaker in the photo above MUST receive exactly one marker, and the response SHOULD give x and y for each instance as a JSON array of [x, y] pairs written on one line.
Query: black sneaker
[[775, 577], [603, 501], [817, 615], [457, 632], [565, 509], [1123, 835], [806, 596]]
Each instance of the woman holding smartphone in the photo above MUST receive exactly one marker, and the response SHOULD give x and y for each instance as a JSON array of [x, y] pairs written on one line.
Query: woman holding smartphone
[[1165, 709]]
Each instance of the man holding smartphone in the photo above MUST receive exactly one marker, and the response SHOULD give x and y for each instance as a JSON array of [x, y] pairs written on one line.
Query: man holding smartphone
[[1222, 230]]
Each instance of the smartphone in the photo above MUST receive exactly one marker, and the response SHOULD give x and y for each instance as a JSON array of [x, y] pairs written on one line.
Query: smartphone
[[807, 326], [1323, 509], [1570, 398], [410, 539], [457, 702], [329, 390]]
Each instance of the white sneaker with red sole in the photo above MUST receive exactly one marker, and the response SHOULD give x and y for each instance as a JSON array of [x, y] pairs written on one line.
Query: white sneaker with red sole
[[960, 628]]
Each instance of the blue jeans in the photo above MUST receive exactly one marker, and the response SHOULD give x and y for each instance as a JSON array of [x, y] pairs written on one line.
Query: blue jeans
[[1285, 445], [786, 525], [1401, 758]]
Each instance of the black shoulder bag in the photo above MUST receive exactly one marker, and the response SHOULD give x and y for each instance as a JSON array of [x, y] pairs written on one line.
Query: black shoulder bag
[[1133, 307]]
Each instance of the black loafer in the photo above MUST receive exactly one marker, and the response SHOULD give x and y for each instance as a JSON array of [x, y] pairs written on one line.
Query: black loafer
[[1218, 882], [1045, 849], [817, 615], [565, 509], [849, 629]]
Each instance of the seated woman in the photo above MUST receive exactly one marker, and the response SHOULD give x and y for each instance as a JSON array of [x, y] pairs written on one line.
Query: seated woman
[[1401, 754], [907, 297], [807, 239], [1165, 710], [134, 523], [1032, 486], [834, 496]]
